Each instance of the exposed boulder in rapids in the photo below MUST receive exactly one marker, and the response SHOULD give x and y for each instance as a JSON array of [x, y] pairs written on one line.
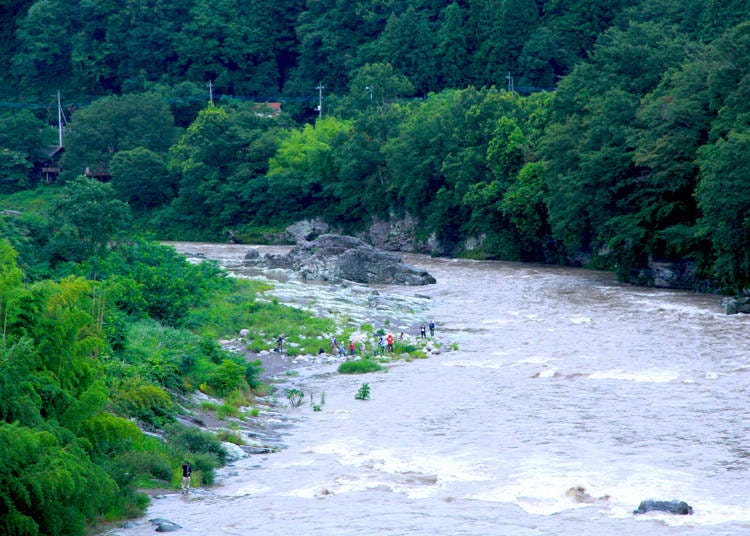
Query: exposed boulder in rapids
[[673, 507], [334, 257], [165, 525]]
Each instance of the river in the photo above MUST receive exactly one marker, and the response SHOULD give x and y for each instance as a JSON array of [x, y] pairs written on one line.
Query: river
[[559, 378]]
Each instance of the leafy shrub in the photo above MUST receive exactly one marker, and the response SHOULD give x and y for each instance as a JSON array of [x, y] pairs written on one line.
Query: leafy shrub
[[253, 370], [230, 437], [109, 434], [204, 468], [295, 397], [196, 441], [363, 393], [359, 366], [228, 410], [146, 402], [227, 377]]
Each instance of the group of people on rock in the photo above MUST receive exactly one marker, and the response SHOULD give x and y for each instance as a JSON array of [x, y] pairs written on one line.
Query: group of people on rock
[[384, 344]]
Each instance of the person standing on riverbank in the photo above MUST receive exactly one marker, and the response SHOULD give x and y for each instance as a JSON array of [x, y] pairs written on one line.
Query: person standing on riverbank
[[186, 472], [423, 332], [389, 341], [432, 328]]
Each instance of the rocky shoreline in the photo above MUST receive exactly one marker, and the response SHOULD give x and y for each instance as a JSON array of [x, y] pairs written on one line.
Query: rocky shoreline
[[262, 431]]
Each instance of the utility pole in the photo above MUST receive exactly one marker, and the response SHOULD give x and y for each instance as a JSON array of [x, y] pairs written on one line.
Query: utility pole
[[320, 99], [60, 120], [510, 82], [369, 88], [211, 91]]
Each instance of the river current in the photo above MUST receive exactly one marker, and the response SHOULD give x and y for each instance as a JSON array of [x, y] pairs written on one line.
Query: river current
[[558, 378]]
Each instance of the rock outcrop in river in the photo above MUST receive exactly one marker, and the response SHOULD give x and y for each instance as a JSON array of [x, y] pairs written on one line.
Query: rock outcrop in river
[[335, 257], [673, 507]]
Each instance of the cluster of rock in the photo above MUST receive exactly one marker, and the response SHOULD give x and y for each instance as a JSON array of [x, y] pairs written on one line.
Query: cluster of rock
[[737, 304], [331, 257]]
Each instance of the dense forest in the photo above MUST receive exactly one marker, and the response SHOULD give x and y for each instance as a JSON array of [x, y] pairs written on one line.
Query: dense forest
[[609, 134]]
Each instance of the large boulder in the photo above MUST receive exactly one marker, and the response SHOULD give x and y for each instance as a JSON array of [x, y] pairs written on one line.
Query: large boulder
[[673, 507], [335, 257]]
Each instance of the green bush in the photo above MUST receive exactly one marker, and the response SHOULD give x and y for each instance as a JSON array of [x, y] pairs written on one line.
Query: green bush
[[363, 393], [227, 377], [204, 468], [146, 402], [359, 366], [295, 397], [196, 441]]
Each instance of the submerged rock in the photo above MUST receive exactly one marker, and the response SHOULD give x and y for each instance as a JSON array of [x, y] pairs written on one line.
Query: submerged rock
[[336, 257], [165, 525], [580, 495], [673, 507]]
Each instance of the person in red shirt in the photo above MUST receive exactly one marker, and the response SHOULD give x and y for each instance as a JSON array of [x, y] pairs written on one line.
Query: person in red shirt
[[389, 342]]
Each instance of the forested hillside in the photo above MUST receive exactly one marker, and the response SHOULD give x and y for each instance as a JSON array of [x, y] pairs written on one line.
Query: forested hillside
[[605, 133]]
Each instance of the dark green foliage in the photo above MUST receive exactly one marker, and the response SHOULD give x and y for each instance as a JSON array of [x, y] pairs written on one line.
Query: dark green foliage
[[48, 486], [114, 124], [141, 179], [197, 441], [88, 213], [146, 402], [144, 278]]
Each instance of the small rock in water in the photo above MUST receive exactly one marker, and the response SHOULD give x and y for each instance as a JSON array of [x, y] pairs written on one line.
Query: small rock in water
[[165, 525], [673, 507]]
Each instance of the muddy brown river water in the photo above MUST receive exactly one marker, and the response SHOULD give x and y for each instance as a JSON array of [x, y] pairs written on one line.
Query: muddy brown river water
[[561, 378]]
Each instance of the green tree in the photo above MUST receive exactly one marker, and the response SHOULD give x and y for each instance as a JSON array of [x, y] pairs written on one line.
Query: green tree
[[453, 46], [235, 45], [722, 191], [141, 179], [113, 124], [89, 211], [303, 171], [590, 170], [21, 139], [42, 61], [380, 81], [408, 42], [221, 162]]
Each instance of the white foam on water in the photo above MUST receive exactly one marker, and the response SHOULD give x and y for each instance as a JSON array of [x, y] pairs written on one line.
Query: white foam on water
[[471, 363], [547, 373], [426, 468], [245, 490], [651, 482], [540, 487], [536, 494], [579, 319], [644, 376], [498, 321], [536, 360]]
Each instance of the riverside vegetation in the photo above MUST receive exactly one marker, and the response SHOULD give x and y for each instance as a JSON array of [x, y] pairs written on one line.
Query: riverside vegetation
[[104, 338]]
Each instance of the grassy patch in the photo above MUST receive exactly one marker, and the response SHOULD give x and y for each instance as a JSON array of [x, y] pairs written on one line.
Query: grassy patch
[[359, 366]]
